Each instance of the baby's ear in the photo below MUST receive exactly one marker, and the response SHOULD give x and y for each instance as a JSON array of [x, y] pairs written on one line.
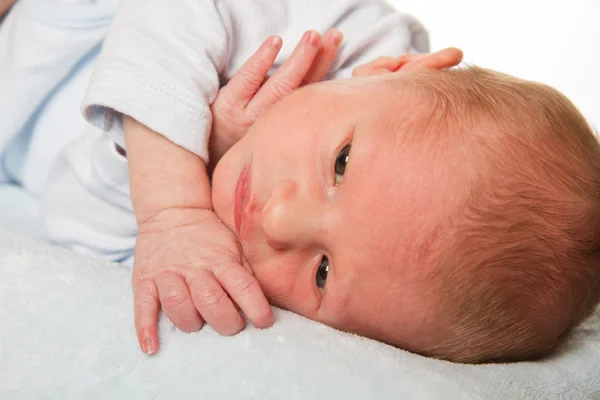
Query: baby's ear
[[445, 58]]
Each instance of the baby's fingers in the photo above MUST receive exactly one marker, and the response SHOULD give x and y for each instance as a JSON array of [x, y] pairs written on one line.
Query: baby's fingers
[[289, 76], [146, 308], [245, 83], [244, 289], [325, 57], [213, 303], [177, 303]]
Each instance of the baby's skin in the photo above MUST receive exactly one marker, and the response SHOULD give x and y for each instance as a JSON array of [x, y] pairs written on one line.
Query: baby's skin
[[280, 223], [5, 6], [328, 197], [187, 262]]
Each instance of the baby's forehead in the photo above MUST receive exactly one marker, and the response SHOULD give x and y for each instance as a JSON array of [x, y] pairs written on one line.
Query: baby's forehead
[[382, 99], [359, 86]]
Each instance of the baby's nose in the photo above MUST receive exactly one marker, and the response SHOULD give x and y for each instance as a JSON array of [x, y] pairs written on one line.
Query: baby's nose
[[286, 218]]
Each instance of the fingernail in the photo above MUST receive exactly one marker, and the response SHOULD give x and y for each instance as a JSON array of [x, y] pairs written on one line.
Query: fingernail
[[276, 41], [334, 36], [149, 347], [328, 34], [313, 38], [337, 38], [268, 325]]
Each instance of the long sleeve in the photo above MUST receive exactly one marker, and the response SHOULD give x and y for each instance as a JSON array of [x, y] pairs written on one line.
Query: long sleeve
[[160, 65], [162, 62], [86, 205]]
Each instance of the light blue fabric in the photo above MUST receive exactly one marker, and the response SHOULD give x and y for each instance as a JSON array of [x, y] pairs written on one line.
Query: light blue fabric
[[47, 48], [74, 14], [52, 126], [19, 211]]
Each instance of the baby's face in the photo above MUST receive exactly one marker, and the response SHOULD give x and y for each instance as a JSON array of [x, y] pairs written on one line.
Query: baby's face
[[331, 204]]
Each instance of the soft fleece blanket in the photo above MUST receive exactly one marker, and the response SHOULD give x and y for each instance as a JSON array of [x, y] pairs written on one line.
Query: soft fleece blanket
[[66, 333]]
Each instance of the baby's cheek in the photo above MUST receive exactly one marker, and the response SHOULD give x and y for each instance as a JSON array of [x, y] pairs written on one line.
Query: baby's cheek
[[287, 289], [360, 305], [275, 283]]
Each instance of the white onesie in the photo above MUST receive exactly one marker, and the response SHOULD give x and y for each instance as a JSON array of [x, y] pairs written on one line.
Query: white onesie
[[162, 63]]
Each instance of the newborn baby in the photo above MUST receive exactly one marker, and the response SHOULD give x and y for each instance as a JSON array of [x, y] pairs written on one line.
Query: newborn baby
[[454, 213]]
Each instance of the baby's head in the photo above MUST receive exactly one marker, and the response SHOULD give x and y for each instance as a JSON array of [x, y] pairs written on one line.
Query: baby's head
[[454, 213]]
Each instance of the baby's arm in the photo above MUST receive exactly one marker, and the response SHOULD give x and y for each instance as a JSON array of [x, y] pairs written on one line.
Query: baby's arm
[[186, 260], [160, 66]]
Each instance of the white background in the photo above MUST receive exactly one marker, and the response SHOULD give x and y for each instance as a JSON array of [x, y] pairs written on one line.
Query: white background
[[555, 42]]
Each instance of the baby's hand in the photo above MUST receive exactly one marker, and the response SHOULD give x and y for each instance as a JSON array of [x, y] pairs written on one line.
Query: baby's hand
[[445, 58], [5, 6], [248, 94], [190, 264]]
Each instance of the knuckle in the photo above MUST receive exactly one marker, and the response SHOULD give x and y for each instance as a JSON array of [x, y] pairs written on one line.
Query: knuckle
[[246, 286], [143, 302], [225, 111], [136, 278], [145, 327], [250, 79], [174, 299], [143, 293], [281, 87], [210, 299], [142, 328]]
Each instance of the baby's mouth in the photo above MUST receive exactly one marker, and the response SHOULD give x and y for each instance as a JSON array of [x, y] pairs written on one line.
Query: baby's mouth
[[242, 194]]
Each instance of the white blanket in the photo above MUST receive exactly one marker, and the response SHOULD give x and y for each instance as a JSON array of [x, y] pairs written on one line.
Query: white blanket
[[66, 333]]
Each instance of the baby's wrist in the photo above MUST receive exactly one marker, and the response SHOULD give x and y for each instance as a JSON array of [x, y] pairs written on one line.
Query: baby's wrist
[[163, 176], [173, 218]]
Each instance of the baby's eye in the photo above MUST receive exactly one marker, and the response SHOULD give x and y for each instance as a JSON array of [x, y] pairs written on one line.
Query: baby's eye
[[340, 164], [322, 272]]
